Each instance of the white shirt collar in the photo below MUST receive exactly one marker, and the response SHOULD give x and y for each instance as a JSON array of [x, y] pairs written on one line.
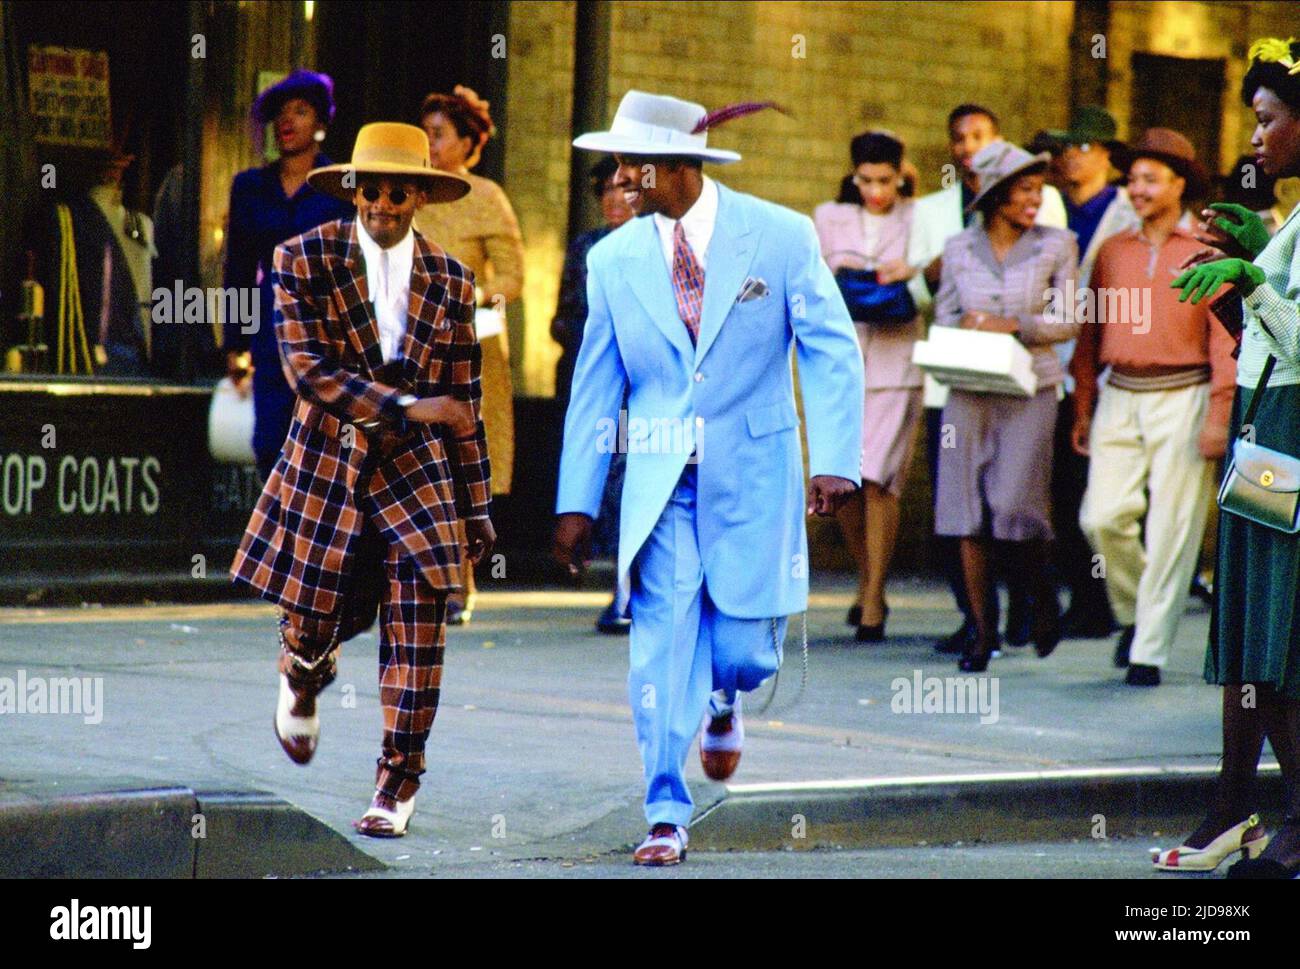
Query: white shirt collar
[[697, 223], [390, 293], [401, 257]]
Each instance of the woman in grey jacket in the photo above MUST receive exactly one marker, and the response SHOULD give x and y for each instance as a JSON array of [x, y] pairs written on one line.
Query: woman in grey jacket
[[996, 456]]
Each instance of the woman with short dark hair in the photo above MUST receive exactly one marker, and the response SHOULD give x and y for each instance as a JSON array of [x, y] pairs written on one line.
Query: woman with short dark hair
[[1254, 649], [862, 236]]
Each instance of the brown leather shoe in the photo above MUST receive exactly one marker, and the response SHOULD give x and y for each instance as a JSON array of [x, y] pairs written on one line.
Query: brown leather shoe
[[664, 845], [720, 745], [387, 818], [295, 729]]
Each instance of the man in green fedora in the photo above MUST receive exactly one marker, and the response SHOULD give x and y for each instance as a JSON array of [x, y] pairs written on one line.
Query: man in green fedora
[[1095, 210]]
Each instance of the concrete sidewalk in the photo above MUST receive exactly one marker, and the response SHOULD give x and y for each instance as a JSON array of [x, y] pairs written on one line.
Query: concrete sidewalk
[[532, 754]]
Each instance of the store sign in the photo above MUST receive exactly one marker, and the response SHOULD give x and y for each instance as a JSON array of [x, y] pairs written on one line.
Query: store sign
[[113, 480], [68, 99]]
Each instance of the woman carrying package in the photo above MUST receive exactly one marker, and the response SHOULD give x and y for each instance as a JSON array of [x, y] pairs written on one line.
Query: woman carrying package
[[1005, 275]]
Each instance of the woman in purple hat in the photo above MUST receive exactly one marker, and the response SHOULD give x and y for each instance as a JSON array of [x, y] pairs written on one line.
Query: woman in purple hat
[[267, 206]]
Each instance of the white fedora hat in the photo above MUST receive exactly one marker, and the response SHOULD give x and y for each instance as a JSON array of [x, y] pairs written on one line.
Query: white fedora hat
[[655, 124]]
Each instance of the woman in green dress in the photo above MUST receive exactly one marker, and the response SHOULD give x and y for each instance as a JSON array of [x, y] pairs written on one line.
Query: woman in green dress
[[1254, 649]]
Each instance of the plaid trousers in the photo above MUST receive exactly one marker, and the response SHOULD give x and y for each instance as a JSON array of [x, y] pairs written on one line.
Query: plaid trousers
[[412, 637]]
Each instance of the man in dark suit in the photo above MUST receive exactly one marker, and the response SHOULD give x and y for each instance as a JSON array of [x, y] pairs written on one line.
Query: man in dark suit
[[386, 452]]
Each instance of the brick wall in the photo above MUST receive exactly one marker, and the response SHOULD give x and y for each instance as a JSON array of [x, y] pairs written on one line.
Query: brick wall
[[540, 104], [839, 67]]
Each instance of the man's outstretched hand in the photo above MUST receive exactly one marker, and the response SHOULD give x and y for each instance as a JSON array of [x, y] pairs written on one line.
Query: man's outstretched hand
[[572, 544], [826, 493]]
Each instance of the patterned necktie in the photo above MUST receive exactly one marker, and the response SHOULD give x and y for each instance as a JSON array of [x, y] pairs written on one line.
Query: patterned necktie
[[688, 282]]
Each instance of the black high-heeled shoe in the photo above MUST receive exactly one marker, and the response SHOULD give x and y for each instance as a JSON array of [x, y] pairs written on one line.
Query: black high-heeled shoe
[[872, 634], [974, 659], [974, 662], [1269, 868], [854, 618], [1047, 628]]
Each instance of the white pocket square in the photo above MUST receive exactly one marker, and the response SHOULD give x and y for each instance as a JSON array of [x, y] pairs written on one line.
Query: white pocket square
[[752, 290]]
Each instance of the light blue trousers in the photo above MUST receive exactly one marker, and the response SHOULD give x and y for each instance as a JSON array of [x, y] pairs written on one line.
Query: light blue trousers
[[682, 649]]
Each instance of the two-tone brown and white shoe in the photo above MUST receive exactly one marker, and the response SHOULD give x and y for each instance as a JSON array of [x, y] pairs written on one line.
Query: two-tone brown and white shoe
[[386, 818], [721, 738], [664, 845], [297, 726]]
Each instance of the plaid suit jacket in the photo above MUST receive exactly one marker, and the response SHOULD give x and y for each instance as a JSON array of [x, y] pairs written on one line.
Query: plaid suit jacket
[[351, 460]]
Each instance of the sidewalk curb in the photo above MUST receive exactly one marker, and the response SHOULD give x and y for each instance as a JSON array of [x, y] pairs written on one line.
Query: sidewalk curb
[[168, 832], [1011, 807]]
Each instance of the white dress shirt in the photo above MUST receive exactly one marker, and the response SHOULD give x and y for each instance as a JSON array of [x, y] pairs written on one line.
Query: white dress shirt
[[697, 223], [388, 278]]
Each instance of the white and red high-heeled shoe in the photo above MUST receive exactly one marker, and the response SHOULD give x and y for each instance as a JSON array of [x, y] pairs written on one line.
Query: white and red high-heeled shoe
[[1248, 837]]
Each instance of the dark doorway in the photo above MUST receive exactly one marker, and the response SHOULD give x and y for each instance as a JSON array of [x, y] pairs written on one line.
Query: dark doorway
[[1182, 93], [385, 57]]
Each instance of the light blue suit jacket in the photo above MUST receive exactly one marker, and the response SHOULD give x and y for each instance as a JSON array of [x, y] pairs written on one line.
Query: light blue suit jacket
[[731, 397]]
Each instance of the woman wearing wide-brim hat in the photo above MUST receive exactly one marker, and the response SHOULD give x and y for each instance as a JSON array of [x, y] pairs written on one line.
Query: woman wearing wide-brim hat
[[994, 480], [1254, 648]]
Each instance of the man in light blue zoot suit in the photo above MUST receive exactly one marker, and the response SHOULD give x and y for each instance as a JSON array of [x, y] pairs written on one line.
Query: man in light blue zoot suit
[[694, 308]]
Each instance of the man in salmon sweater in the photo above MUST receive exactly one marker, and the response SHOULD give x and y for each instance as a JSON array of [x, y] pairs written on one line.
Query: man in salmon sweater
[[1160, 420]]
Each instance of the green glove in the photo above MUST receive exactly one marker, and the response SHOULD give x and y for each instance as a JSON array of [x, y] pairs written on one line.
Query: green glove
[[1249, 233], [1206, 278]]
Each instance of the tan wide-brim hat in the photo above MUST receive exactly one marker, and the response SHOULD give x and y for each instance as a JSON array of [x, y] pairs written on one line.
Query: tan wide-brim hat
[[389, 148]]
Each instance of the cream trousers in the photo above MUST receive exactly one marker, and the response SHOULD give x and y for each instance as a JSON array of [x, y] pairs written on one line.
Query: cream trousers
[[1145, 461]]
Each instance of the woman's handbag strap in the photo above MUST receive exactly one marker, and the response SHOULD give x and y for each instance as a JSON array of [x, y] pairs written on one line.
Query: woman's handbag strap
[[1267, 372]]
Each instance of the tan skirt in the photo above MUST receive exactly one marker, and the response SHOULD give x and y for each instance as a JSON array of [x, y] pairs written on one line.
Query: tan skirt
[[498, 408]]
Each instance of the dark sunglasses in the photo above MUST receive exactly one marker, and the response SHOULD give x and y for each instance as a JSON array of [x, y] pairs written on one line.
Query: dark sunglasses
[[371, 193]]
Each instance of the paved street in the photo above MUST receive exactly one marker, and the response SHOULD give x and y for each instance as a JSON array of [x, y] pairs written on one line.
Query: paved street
[[532, 762]]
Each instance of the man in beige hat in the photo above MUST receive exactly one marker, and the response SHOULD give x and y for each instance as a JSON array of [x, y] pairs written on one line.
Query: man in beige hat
[[1160, 420], [695, 309], [386, 452]]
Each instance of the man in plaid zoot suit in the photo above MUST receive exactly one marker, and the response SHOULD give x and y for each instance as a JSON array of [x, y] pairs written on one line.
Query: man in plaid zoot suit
[[386, 451]]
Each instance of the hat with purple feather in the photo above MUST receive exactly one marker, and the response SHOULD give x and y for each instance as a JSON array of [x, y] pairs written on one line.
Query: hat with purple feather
[[316, 89], [656, 124]]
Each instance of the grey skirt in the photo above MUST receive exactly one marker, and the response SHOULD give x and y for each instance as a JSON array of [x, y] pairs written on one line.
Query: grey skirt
[[995, 466]]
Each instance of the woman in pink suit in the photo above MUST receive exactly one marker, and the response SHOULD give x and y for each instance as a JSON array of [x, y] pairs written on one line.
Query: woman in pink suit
[[870, 232]]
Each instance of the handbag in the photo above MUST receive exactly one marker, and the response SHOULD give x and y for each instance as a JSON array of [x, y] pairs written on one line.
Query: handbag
[[871, 301], [1262, 485]]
